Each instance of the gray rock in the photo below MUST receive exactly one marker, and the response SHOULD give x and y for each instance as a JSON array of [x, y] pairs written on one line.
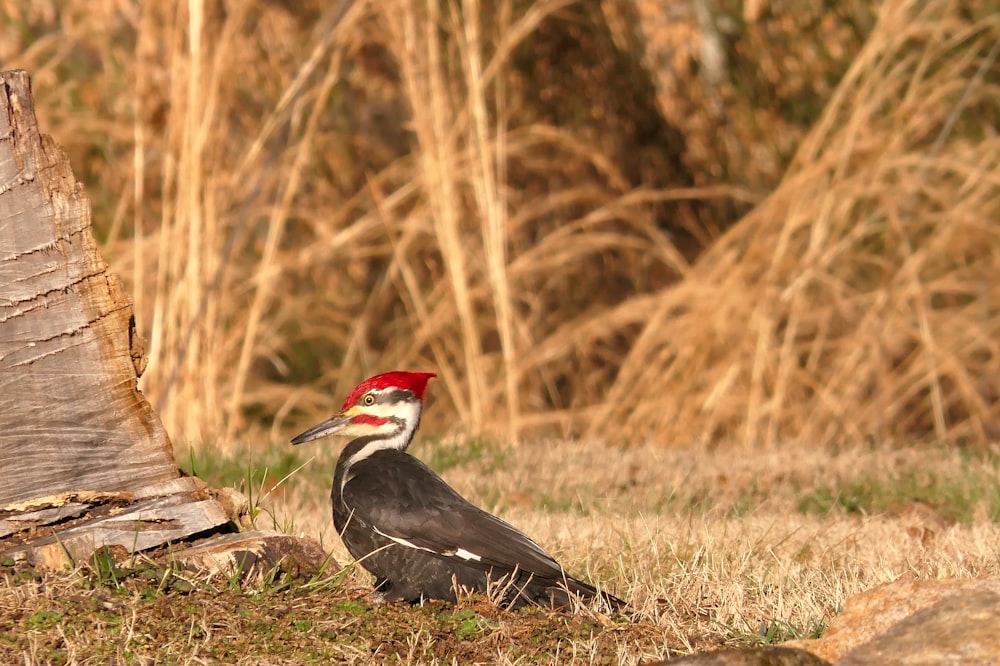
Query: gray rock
[[767, 656]]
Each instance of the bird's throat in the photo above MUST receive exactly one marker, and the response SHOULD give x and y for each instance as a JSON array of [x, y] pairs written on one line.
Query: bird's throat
[[363, 448]]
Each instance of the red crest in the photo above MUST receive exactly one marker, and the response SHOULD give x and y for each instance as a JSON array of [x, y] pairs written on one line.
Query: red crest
[[414, 382]]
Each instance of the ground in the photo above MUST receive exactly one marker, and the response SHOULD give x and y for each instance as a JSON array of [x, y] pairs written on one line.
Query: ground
[[712, 547]]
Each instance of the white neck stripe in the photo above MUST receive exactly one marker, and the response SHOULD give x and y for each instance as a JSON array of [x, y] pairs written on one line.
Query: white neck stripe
[[404, 418]]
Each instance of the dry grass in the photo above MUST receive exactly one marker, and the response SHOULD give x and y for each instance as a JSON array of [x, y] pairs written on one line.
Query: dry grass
[[859, 299], [709, 552], [706, 545], [298, 199]]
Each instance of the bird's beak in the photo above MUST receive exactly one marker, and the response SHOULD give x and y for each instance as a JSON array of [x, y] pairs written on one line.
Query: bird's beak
[[331, 426]]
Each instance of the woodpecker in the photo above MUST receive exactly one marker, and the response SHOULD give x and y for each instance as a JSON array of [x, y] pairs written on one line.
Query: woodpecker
[[410, 529]]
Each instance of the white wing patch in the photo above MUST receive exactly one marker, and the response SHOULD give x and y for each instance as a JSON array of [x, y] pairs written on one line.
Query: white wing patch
[[403, 542], [458, 552]]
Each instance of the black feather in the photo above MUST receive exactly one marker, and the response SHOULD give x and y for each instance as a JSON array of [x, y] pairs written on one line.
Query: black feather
[[390, 495]]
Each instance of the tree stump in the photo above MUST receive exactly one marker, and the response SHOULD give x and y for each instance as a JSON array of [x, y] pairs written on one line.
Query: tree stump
[[85, 462]]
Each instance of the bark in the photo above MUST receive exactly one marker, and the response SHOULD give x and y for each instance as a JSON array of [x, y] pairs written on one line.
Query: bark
[[85, 462], [71, 415]]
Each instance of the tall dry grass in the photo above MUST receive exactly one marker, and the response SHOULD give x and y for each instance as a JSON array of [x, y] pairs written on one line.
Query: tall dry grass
[[299, 198], [860, 299]]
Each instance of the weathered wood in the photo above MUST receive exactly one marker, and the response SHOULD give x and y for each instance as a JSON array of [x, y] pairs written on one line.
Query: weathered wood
[[71, 415], [255, 553], [32, 520], [84, 461], [61, 530], [197, 524], [133, 528], [81, 497]]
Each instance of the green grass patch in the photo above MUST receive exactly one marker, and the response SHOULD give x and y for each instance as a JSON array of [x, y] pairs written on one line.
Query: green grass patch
[[466, 624], [244, 469], [351, 607], [487, 455], [43, 619], [955, 496], [774, 632]]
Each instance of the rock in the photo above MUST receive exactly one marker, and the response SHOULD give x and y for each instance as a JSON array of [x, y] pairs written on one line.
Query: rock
[[959, 629], [952, 621], [767, 656], [870, 614]]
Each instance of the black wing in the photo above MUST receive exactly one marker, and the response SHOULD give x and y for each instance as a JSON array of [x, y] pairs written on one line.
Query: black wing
[[416, 508]]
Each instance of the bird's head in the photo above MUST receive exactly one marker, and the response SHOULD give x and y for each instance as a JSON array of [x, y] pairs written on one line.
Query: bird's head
[[385, 407]]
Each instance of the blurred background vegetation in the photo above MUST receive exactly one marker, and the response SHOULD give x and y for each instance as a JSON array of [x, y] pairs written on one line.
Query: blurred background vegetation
[[670, 220]]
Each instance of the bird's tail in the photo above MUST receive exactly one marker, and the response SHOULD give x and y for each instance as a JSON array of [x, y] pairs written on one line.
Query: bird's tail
[[587, 592]]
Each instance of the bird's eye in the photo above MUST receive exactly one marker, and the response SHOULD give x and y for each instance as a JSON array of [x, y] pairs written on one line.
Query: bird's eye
[[368, 400]]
